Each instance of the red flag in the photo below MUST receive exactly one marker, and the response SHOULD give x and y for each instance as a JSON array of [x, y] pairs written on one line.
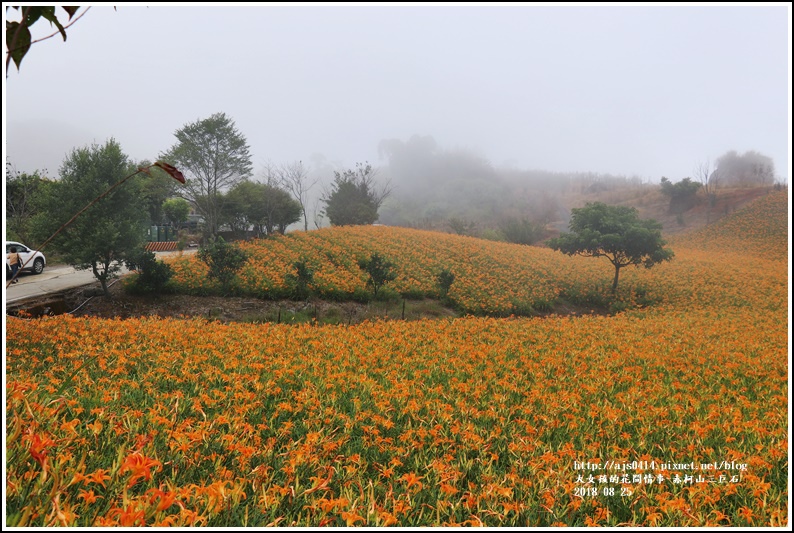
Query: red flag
[[172, 171]]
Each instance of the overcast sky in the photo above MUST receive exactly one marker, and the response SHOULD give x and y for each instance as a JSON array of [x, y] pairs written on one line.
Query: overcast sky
[[638, 90]]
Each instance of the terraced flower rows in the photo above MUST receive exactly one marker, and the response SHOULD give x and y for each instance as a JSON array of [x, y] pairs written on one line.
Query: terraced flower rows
[[451, 422], [491, 278], [481, 268]]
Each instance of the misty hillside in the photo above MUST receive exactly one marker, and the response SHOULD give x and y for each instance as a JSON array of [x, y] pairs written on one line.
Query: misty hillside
[[549, 207], [498, 278], [459, 191], [760, 229], [651, 203]]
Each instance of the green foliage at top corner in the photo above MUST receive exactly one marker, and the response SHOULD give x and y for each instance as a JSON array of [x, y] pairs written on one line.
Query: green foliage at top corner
[[18, 37]]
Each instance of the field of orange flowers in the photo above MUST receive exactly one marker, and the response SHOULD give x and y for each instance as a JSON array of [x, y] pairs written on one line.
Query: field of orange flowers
[[670, 414], [500, 279]]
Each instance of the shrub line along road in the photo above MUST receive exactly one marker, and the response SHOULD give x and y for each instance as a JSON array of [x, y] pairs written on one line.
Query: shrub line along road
[[54, 280]]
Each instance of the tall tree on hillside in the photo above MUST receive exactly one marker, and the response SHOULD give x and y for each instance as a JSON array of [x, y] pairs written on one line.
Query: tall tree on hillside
[[281, 209], [353, 198], [709, 180], [214, 156], [294, 178], [111, 230], [746, 170], [683, 195], [707, 177], [264, 206], [614, 232]]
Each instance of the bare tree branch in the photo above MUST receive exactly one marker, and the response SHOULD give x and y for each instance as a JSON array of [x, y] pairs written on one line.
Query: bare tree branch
[[295, 179]]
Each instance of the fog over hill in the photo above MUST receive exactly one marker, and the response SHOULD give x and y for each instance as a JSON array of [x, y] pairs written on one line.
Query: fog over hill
[[487, 95]]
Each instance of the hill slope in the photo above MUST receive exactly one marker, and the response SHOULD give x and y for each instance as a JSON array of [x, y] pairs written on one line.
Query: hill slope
[[498, 278], [760, 230]]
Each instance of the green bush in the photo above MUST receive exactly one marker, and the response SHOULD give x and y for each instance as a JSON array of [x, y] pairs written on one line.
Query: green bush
[[224, 260], [522, 309], [413, 294], [387, 294], [643, 298], [379, 270], [490, 234], [153, 275], [543, 306], [300, 281], [619, 307], [521, 231], [444, 280], [681, 194]]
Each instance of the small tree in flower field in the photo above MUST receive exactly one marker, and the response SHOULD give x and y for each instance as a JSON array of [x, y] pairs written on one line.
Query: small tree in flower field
[[614, 232]]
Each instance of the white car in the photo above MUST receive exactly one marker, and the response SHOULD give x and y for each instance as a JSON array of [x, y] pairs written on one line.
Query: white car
[[33, 263]]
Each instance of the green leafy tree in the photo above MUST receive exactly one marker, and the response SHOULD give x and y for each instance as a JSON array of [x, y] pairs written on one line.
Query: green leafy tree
[[444, 280], [379, 270], [214, 155], [224, 260], [23, 196], [682, 194], [301, 279], [233, 213], [520, 231], [614, 232], [110, 230], [294, 178], [176, 210], [267, 208], [281, 208], [353, 198], [239, 209]]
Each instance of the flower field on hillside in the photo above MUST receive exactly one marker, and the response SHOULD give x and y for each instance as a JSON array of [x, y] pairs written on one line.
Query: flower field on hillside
[[499, 279], [757, 231], [674, 414]]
